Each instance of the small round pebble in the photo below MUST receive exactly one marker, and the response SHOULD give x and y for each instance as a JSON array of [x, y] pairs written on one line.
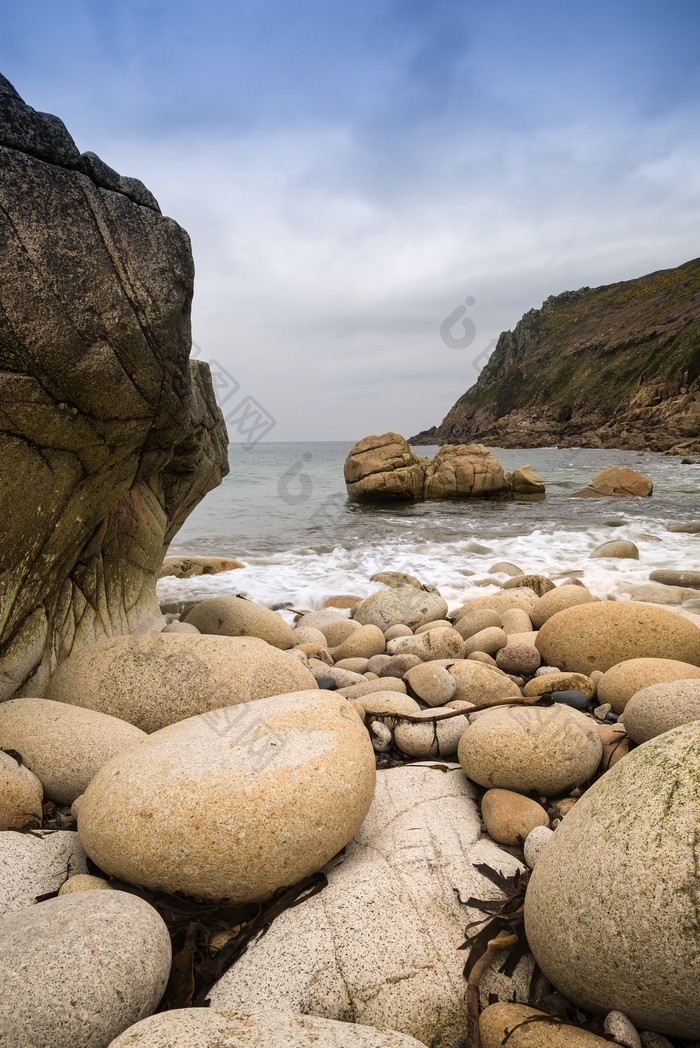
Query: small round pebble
[[380, 734], [535, 841], [84, 882], [546, 671], [377, 663], [522, 659], [398, 631], [617, 1025]]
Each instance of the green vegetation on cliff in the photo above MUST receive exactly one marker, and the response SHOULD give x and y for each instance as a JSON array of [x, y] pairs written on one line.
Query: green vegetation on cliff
[[613, 366]]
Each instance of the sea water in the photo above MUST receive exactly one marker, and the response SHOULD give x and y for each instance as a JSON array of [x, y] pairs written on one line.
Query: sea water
[[284, 512]]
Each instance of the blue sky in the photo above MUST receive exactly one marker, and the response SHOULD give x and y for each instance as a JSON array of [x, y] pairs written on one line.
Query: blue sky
[[351, 173]]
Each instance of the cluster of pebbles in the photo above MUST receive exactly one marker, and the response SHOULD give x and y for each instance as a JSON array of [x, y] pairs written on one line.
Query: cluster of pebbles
[[233, 754]]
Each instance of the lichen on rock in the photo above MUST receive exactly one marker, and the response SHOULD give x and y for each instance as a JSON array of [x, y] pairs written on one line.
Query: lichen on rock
[[109, 435]]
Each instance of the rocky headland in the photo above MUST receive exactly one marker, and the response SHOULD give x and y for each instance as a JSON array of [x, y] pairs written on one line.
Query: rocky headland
[[616, 366], [386, 823]]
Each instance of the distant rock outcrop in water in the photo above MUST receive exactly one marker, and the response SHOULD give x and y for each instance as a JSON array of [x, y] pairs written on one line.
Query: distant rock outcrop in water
[[614, 367], [381, 469], [109, 435]]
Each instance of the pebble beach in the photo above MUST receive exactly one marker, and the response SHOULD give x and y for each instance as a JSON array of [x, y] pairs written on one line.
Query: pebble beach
[[489, 758]]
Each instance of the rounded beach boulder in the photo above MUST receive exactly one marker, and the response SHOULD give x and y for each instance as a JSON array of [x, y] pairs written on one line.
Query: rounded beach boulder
[[524, 748], [21, 795], [237, 617], [76, 971], [598, 636], [611, 911], [155, 679], [621, 682], [254, 1028], [406, 607], [64, 745], [567, 596], [234, 803], [661, 707]]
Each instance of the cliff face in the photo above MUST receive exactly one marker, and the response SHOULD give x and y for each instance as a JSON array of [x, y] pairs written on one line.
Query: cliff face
[[613, 366], [109, 435]]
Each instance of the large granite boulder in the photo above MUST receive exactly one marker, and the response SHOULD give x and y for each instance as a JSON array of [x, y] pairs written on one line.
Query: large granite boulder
[[616, 482], [379, 945], [382, 468], [611, 911], [465, 471], [109, 435]]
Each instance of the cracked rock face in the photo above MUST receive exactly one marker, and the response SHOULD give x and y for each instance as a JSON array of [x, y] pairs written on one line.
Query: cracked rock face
[[109, 435], [379, 945], [380, 469]]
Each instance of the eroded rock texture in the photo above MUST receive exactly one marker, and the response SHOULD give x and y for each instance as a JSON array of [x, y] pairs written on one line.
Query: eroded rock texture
[[109, 435], [382, 468]]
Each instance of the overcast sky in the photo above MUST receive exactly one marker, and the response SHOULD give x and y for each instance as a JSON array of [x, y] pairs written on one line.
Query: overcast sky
[[352, 173]]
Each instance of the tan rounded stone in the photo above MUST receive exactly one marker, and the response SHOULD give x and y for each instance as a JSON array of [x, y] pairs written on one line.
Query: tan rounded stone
[[235, 803], [179, 627], [399, 630], [433, 738], [524, 748], [621, 682], [309, 635], [476, 621], [598, 636], [399, 665], [357, 665], [489, 640], [539, 584], [407, 607], [622, 549], [509, 1020], [481, 684], [505, 567], [20, 796], [623, 866], [435, 644], [385, 704], [567, 596], [371, 687], [661, 707], [84, 882], [236, 617], [342, 600], [509, 817], [550, 682], [499, 602], [338, 631], [364, 643], [153, 680], [515, 621], [432, 684], [64, 745], [438, 624], [615, 744], [254, 1028], [484, 659], [188, 567]]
